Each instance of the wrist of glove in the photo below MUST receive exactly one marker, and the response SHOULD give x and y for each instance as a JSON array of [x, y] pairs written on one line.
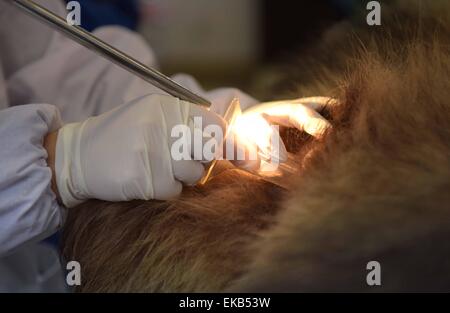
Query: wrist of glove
[[125, 154]]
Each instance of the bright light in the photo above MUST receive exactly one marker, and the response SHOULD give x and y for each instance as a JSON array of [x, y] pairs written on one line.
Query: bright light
[[253, 130]]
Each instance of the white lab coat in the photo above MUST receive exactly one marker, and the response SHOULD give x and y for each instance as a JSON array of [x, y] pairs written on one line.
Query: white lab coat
[[47, 80]]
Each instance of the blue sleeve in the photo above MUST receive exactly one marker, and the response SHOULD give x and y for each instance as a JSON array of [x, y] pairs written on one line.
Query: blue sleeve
[[97, 13], [28, 207]]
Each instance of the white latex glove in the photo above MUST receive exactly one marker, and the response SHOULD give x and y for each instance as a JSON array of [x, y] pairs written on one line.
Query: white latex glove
[[253, 126], [298, 113], [124, 154]]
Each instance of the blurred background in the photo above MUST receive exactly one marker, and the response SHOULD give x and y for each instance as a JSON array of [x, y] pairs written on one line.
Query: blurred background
[[222, 42]]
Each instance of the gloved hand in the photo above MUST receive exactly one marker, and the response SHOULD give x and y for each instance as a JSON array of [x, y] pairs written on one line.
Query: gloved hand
[[253, 126], [125, 154], [298, 113]]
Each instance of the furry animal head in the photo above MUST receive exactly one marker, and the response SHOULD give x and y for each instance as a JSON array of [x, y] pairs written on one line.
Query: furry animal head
[[375, 189]]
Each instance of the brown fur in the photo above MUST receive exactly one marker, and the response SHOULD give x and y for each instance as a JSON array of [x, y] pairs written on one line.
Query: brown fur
[[195, 243], [376, 187]]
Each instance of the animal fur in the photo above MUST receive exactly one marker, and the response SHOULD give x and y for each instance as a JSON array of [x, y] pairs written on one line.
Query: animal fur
[[194, 243], [375, 188]]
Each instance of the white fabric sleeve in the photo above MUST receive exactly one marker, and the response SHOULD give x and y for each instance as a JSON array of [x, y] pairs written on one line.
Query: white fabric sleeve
[[28, 207], [81, 83], [24, 39]]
